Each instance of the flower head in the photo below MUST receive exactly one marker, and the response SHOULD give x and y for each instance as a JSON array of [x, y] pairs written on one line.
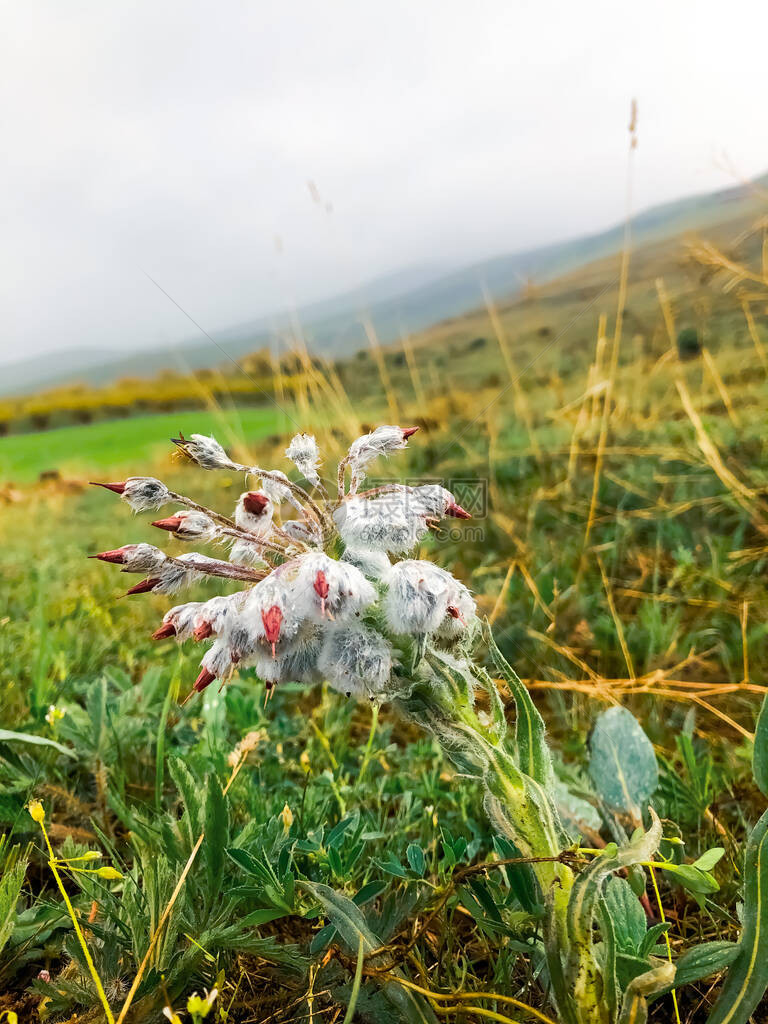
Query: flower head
[[134, 557], [142, 493], [383, 440], [188, 524], [205, 451], [356, 659], [254, 512], [305, 455]]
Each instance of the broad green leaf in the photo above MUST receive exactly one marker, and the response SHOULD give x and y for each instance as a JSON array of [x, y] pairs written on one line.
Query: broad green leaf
[[747, 980], [416, 859], [709, 858], [6, 736], [626, 913], [622, 763]]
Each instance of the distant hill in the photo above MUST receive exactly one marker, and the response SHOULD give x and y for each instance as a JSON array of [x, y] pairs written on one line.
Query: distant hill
[[408, 300]]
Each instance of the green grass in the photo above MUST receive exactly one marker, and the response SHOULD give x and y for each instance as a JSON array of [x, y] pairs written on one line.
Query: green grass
[[125, 445]]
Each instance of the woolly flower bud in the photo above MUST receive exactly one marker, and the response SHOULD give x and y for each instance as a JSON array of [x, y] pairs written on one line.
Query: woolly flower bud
[[417, 597], [372, 564], [382, 441], [297, 663], [305, 455], [134, 557], [268, 619], [356, 659], [461, 612], [380, 524], [298, 530], [276, 492], [188, 524], [216, 664], [205, 451], [245, 552], [178, 622], [172, 576], [141, 492], [213, 617], [437, 502], [325, 589], [254, 512]]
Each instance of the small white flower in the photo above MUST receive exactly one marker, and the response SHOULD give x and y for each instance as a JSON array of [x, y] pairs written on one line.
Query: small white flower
[[387, 523], [417, 597], [461, 613], [141, 492], [268, 617], [305, 455], [324, 589], [254, 512], [135, 557], [213, 617], [382, 441], [372, 564], [179, 622], [245, 552], [356, 659], [189, 524], [276, 491], [205, 451]]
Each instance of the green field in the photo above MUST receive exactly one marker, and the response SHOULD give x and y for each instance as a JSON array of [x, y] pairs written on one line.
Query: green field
[[128, 444]]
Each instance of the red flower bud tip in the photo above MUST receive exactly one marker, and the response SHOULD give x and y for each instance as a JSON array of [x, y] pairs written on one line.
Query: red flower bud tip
[[272, 619], [117, 488], [166, 630], [321, 589], [203, 631], [115, 556], [409, 432], [144, 587], [457, 512], [454, 612], [204, 679], [171, 524], [255, 503]]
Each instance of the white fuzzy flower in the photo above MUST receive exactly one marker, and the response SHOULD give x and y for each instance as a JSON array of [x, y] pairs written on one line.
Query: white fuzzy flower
[[245, 552], [382, 441], [134, 557], [216, 664], [372, 564], [205, 451], [268, 618], [275, 490], [179, 622], [356, 659], [141, 492], [213, 617], [387, 523], [305, 455], [298, 662], [461, 613], [417, 597], [324, 589], [254, 512], [436, 502], [189, 524]]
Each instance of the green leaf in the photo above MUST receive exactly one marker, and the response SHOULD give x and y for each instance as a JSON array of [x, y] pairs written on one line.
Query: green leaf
[[708, 859], [704, 960], [626, 913], [747, 979], [533, 756], [622, 763], [692, 878], [349, 922], [369, 892], [6, 736], [760, 750], [216, 835], [416, 859]]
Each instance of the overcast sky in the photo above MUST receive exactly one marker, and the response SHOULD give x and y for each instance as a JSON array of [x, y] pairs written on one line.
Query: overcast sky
[[178, 138]]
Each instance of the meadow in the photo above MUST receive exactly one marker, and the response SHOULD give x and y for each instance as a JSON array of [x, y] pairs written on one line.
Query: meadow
[[347, 869]]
